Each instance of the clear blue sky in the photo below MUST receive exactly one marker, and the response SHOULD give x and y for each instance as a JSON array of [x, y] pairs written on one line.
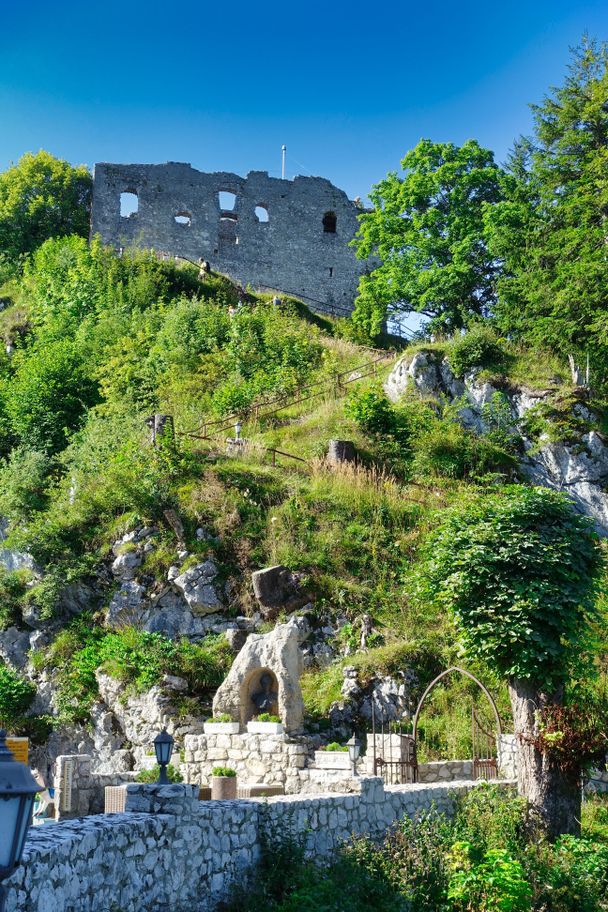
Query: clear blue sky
[[348, 86]]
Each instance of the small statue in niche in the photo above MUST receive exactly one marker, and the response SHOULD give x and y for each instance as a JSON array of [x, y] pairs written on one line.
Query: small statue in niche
[[265, 700]]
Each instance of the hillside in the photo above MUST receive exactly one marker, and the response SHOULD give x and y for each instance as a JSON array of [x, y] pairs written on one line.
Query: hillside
[[131, 563]]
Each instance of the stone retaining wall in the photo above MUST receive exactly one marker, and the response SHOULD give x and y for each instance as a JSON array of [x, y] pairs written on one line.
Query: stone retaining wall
[[273, 759], [171, 851]]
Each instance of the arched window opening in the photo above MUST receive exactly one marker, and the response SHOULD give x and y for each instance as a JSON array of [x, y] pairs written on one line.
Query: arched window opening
[[261, 213], [227, 233], [183, 218], [227, 200], [330, 221], [129, 203]]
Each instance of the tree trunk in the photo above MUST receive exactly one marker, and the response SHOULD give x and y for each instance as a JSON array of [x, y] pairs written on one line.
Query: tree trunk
[[554, 796]]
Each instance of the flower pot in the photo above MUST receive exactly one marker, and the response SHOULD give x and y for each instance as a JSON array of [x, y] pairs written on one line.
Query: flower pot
[[265, 728], [333, 760], [221, 728], [223, 788]]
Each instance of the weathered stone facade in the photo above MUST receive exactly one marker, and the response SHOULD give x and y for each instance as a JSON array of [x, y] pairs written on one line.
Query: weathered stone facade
[[290, 236], [171, 851]]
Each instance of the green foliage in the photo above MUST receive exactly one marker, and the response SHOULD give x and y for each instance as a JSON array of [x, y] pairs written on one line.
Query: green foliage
[[223, 717], [427, 230], [570, 876], [42, 197], [477, 348], [13, 587], [496, 883], [519, 572], [225, 771], [267, 717], [16, 696], [549, 232], [24, 478], [137, 658], [48, 395], [335, 746], [151, 776]]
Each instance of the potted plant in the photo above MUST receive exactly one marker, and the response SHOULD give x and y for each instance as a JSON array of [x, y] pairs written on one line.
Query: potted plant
[[221, 725], [223, 783], [333, 756], [265, 724]]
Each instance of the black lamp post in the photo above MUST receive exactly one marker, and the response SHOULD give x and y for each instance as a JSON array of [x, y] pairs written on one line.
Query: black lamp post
[[354, 749], [17, 792], [163, 746]]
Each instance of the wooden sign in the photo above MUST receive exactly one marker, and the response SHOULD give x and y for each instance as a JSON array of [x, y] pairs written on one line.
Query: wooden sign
[[66, 785], [19, 748]]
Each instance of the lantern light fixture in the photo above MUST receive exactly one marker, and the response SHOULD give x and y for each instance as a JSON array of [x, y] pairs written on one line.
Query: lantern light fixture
[[18, 789], [354, 749], [163, 747]]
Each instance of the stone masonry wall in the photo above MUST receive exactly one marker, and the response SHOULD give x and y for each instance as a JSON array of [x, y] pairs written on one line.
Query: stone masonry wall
[[290, 252], [171, 851], [272, 759]]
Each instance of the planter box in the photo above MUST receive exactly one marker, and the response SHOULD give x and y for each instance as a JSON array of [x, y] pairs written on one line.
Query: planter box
[[222, 728], [223, 788], [115, 799], [333, 760], [265, 728]]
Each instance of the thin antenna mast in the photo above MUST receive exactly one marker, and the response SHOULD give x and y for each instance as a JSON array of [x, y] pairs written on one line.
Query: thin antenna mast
[[283, 153]]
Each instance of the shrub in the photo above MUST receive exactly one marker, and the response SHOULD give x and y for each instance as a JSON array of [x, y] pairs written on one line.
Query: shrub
[[479, 347], [223, 717], [335, 746], [151, 776], [225, 771], [16, 696], [570, 876], [496, 883]]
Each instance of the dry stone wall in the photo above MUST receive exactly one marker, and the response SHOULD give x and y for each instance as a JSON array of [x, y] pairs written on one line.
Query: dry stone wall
[[290, 236], [171, 851]]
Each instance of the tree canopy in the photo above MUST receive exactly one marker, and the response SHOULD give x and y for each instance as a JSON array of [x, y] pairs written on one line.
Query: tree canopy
[[549, 231], [42, 197], [427, 230], [518, 570]]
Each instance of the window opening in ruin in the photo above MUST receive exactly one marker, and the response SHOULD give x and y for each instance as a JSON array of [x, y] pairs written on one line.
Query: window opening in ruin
[[261, 213], [329, 222], [183, 218], [227, 234], [129, 203], [331, 272], [227, 200]]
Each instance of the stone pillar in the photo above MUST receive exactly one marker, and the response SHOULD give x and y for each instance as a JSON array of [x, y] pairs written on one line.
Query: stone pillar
[[340, 451], [73, 786], [177, 798]]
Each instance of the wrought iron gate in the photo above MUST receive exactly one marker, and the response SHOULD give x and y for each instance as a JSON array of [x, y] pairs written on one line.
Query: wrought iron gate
[[485, 765], [393, 753]]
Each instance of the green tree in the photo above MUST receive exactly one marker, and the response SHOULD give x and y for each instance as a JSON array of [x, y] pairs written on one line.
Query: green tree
[[42, 197], [426, 228], [16, 695], [519, 571], [48, 395], [549, 232]]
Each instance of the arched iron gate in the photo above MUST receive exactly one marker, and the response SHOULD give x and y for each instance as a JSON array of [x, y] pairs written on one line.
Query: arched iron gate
[[394, 755]]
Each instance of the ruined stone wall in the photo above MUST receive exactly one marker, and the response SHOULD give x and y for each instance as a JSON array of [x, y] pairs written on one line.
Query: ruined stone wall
[[301, 249], [171, 851]]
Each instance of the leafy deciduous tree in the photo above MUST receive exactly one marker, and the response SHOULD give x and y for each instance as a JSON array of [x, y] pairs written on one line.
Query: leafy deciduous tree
[[42, 197], [427, 230], [519, 572]]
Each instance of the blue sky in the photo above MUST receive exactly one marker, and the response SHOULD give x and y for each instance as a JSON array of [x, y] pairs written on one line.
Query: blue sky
[[349, 87]]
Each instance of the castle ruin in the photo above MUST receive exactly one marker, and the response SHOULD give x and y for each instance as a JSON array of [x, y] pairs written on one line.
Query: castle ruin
[[290, 236]]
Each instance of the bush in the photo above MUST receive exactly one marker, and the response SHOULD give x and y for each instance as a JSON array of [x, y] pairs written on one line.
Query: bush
[[225, 771], [151, 776], [570, 876], [496, 883], [479, 347], [16, 696]]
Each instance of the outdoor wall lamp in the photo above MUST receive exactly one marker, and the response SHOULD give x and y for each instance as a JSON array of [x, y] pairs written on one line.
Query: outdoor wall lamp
[[17, 792], [163, 747], [354, 749]]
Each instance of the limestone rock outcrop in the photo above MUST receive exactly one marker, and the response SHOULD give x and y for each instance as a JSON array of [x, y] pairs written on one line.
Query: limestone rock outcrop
[[579, 469], [277, 588], [277, 652], [198, 589]]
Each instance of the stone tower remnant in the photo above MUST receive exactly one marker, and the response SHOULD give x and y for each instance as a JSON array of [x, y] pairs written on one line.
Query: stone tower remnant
[[290, 236]]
